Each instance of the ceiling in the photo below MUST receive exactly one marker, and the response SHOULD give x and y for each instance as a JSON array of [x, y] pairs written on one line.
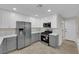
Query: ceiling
[[66, 10]]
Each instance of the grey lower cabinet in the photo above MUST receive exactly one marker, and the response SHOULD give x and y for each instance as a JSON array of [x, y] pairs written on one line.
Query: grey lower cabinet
[[11, 44], [0, 49], [3, 47], [53, 40], [8, 45], [35, 37]]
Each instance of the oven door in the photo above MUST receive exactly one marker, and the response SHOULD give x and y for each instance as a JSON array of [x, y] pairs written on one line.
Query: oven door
[[45, 38]]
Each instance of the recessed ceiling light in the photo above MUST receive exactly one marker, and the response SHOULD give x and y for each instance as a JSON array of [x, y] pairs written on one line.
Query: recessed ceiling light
[[14, 9], [36, 15], [49, 10]]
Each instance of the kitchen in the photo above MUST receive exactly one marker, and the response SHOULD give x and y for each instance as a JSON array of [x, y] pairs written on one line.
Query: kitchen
[[19, 31]]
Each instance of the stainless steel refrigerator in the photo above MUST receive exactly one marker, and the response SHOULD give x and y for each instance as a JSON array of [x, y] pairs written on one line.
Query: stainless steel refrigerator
[[23, 30]]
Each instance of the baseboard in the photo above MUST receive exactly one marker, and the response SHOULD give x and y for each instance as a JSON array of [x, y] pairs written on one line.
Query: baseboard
[[70, 40]]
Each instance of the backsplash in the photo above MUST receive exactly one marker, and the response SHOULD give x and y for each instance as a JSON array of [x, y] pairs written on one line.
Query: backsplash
[[9, 31], [54, 30]]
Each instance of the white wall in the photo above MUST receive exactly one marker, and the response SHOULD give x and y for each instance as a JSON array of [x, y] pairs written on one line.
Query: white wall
[[77, 29], [54, 21], [60, 28]]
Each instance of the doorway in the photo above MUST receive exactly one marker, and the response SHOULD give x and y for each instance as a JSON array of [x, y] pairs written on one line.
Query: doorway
[[70, 29]]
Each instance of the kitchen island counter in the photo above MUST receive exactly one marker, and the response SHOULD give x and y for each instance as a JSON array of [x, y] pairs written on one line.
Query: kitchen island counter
[[7, 43]]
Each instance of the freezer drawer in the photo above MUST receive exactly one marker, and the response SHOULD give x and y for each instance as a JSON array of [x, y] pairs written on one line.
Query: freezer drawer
[[11, 43], [53, 40]]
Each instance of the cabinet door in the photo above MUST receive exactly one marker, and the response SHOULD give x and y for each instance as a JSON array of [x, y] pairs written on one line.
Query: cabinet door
[[27, 33], [53, 41], [1, 49], [39, 36], [11, 43], [35, 37], [4, 46]]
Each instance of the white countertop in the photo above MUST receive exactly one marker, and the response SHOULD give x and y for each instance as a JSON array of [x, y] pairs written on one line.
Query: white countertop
[[55, 34], [10, 35], [2, 37], [36, 32]]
